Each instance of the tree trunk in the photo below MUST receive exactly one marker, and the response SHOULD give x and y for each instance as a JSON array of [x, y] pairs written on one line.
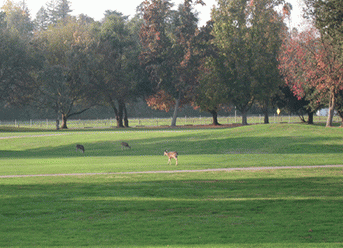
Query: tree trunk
[[57, 124], [64, 122], [340, 113], [116, 112], [265, 112], [126, 119], [214, 117], [119, 117], [331, 110], [177, 104], [244, 118], [310, 118]]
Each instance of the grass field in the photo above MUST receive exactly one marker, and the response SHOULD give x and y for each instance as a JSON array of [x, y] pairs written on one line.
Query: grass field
[[257, 208]]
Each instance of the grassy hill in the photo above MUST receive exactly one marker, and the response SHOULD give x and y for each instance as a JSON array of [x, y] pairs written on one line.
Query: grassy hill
[[267, 208]]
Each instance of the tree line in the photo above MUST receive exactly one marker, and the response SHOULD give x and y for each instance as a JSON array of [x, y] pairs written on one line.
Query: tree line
[[242, 57]]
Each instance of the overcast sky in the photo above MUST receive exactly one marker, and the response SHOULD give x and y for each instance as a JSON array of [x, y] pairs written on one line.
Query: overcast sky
[[96, 9]]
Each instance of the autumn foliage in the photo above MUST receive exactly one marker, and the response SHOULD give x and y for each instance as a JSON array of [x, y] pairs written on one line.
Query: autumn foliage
[[308, 61]]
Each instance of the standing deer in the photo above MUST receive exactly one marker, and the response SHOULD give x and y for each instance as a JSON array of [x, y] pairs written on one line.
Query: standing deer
[[81, 148], [124, 144], [170, 156]]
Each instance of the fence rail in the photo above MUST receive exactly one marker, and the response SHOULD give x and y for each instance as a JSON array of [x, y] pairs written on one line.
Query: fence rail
[[156, 122]]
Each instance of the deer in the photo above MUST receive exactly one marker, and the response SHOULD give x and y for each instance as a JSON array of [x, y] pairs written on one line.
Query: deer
[[80, 147], [124, 144], [170, 156]]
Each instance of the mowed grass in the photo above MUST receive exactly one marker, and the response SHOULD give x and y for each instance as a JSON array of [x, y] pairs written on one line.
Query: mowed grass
[[257, 145], [272, 208], [267, 208]]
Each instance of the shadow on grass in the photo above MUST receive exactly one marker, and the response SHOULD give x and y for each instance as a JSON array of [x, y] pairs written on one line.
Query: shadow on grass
[[172, 212]]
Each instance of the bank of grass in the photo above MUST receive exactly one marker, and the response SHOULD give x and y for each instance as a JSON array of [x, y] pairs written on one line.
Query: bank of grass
[[256, 145], [269, 208]]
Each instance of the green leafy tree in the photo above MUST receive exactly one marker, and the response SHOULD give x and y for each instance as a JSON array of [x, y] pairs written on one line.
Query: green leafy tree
[[17, 17], [18, 64], [42, 21], [212, 93], [18, 60], [64, 83], [118, 75], [247, 37], [58, 10], [327, 16]]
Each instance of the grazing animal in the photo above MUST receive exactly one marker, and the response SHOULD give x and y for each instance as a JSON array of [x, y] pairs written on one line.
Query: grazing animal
[[124, 144], [170, 156], [81, 148]]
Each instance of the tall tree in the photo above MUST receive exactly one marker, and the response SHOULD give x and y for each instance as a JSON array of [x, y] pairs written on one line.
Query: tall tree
[[212, 92], [42, 19], [118, 71], [17, 17], [18, 64], [58, 10], [167, 39], [247, 37], [267, 29], [64, 83], [309, 63], [328, 16]]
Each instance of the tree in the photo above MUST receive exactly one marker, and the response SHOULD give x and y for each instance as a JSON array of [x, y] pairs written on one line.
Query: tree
[[267, 29], [18, 62], [58, 10], [17, 18], [247, 35], [64, 83], [288, 101], [118, 75], [310, 64], [212, 92], [42, 19], [167, 39], [327, 16]]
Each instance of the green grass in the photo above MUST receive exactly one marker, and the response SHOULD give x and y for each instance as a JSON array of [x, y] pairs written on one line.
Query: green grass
[[268, 208], [257, 145]]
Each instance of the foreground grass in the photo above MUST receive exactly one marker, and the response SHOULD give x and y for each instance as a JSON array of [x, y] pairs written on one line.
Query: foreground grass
[[272, 208], [260, 145]]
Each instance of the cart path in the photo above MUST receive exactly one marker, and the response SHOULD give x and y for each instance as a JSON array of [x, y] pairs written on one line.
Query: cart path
[[179, 171]]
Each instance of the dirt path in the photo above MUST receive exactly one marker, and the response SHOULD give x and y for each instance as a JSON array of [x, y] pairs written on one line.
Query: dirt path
[[180, 171]]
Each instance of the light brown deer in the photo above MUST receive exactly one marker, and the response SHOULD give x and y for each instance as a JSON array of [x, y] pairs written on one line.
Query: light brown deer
[[80, 147], [124, 144], [170, 156]]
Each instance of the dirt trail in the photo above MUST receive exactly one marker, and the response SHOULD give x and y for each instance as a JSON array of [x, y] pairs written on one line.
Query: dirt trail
[[179, 171]]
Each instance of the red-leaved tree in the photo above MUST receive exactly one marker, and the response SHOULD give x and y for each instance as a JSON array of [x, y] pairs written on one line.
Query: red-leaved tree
[[309, 63]]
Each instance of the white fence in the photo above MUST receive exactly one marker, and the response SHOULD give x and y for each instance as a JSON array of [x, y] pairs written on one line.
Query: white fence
[[155, 122]]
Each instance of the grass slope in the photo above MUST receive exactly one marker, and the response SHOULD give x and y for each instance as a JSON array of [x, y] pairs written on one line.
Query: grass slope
[[270, 208], [259, 145]]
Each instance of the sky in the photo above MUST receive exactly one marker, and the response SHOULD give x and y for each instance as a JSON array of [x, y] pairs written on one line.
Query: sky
[[96, 9]]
